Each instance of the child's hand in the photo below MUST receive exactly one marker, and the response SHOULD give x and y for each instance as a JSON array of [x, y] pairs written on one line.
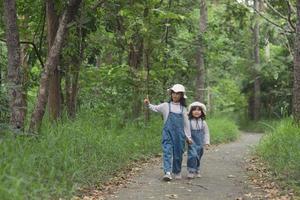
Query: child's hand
[[207, 146], [146, 101], [189, 141]]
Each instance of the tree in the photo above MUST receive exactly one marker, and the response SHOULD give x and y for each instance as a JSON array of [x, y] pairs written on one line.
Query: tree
[[256, 91], [16, 94], [52, 58], [73, 68], [200, 65], [296, 84], [54, 98]]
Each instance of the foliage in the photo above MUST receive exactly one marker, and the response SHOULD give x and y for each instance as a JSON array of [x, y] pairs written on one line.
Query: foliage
[[108, 86], [222, 130], [70, 155], [261, 126], [277, 84], [226, 97], [4, 112], [280, 148], [112, 87]]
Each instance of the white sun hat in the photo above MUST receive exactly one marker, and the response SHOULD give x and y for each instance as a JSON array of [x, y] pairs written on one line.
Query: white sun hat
[[197, 103], [178, 88]]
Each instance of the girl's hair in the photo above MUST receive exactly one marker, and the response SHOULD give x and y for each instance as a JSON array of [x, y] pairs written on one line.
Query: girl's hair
[[181, 101], [194, 108]]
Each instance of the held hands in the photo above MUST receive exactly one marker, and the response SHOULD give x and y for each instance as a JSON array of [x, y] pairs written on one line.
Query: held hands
[[189, 141], [207, 146]]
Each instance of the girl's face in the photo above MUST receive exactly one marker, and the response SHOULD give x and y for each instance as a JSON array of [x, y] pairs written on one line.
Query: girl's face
[[176, 96], [197, 112]]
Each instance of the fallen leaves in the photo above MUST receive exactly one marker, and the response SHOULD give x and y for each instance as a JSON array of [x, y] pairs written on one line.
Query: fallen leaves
[[263, 179], [120, 180]]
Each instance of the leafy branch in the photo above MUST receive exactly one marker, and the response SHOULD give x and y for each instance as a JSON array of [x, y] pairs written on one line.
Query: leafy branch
[[34, 47]]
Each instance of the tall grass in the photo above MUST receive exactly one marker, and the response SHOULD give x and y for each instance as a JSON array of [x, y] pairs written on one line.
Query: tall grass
[[222, 130], [261, 126], [69, 155], [87, 151], [281, 149]]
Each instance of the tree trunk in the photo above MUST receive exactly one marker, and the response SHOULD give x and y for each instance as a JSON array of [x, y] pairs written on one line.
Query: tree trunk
[[67, 84], [72, 86], [0, 77], [74, 91], [24, 62], [25, 67], [134, 61], [98, 61], [54, 98], [296, 83], [267, 50], [147, 68], [257, 102], [17, 102], [39, 109], [73, 75], [216, 2], [200, 67]]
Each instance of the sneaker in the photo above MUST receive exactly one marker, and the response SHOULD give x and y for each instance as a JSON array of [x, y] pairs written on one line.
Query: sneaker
[[190, 175], [167, 176], [177, 176], [198, 175]]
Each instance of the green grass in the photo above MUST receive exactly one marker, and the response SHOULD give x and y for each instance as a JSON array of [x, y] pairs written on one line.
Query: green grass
[[71, 154], [82, 153], [281, 149], [260, 126], [222, 130]]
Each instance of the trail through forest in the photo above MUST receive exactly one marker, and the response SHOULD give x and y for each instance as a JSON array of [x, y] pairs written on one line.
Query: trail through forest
[[223, 177]]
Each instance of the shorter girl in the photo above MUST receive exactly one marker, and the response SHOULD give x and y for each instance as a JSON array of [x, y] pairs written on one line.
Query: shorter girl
[[200, 136]]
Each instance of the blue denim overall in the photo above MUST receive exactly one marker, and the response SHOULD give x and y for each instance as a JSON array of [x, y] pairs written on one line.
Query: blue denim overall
[[195, 150], [173, 139]]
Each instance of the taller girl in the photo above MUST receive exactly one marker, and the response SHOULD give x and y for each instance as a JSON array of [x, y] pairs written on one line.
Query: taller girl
[[175, 131]]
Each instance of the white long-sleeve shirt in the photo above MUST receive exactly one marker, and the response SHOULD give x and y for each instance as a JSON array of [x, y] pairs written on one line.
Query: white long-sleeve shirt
[[175, 108], [201, 124]]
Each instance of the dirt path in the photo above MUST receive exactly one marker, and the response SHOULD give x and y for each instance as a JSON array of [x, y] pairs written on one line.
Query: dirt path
[[223, 177]]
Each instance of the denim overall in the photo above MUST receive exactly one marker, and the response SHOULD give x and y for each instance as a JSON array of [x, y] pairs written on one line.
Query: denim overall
[[173, 140], [195, 150]]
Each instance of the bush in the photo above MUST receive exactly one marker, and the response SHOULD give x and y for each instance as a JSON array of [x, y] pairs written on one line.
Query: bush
[[222, 130], [281, 149], [261, 126]]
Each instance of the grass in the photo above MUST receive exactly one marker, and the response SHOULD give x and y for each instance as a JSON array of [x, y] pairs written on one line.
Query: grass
[[81, 153], [69, 155], [261, 126], [281, 149], [222, 130]]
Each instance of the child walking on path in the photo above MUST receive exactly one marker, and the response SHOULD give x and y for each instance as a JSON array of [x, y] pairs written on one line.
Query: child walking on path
[[200, 137], [175, 131]]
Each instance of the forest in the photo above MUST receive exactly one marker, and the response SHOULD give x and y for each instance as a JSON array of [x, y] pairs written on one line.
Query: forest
[[74, 74]]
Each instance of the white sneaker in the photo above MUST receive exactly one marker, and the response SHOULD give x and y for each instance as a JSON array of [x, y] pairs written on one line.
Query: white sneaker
[[198, 175], [177, 176], [167, 176], [190, 175]]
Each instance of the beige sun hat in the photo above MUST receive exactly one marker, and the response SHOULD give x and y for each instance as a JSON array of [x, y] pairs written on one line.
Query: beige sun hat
[[197, 103], [178, 88]]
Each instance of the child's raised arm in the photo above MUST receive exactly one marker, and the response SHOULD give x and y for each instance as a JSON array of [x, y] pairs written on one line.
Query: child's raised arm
[[162, 108], [146, 101]]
